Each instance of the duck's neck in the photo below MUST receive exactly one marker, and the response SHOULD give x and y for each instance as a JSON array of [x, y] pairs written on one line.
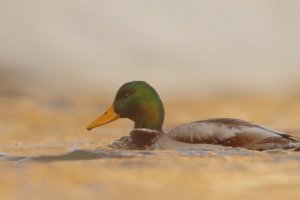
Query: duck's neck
[[150, 116], [151, 124]]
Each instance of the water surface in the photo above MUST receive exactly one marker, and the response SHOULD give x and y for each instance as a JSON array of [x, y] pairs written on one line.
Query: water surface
[[46, 153]]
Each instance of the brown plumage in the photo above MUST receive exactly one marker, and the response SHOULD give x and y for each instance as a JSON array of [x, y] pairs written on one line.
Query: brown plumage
[[231, 132]]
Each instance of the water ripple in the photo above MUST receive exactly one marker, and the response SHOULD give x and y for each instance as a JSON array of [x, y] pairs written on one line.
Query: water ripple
[[102, 153]]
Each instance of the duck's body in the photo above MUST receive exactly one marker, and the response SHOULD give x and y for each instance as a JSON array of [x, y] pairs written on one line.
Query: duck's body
[[139, 102], [212, 133]]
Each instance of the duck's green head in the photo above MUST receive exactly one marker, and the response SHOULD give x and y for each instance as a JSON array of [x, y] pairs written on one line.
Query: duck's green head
[[137, 101]]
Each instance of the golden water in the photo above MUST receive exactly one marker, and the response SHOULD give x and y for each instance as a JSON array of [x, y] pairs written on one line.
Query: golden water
[[46, 153]]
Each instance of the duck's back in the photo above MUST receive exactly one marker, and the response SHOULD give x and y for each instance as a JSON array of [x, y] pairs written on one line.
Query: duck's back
[[232, 132]]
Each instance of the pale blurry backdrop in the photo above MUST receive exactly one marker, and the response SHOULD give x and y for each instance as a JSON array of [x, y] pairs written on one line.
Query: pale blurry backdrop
[[177, 46], [61, 63]]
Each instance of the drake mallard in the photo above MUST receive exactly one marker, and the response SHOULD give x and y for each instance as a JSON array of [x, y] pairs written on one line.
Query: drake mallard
[[139, 102]]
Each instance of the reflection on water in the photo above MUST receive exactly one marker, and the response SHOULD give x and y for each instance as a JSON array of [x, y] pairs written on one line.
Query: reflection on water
[[216, 152]]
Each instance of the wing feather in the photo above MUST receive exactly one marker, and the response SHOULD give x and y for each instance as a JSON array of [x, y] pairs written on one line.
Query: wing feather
[[227, 132]]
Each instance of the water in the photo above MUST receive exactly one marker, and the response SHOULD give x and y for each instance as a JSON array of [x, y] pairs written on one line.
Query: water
[[125, 174], [46, 153]]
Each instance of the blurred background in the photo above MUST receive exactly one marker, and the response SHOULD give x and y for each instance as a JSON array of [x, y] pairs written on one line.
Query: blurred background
[[176, 45], [61, 63]]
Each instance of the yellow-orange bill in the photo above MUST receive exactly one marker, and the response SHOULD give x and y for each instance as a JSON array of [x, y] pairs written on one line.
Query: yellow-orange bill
[[107, 117]]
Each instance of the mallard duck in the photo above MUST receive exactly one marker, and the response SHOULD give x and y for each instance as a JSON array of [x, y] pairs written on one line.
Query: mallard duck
[[139, 102]]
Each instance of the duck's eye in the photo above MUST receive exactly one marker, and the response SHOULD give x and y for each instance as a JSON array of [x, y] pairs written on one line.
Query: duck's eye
[[125, 95]]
